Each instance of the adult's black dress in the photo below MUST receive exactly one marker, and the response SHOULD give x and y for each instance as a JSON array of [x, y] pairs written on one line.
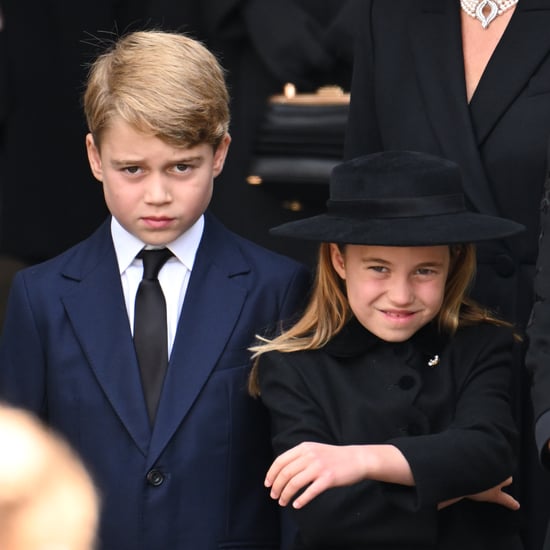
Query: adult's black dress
[[408, 92]]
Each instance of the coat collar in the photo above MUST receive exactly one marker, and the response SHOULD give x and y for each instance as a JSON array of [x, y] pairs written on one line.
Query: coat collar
[[354, 340]]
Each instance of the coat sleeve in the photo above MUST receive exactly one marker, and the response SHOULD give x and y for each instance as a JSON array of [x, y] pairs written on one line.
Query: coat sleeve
[[477, 450]]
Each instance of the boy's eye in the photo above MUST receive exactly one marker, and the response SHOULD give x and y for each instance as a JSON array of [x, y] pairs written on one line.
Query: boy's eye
[[181, 167], [131, 169]]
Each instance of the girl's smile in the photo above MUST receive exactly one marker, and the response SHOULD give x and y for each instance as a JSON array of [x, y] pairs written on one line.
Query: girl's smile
[[393, 291]]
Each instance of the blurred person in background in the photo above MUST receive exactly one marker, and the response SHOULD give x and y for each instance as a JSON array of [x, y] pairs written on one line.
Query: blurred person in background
[[47, 497]]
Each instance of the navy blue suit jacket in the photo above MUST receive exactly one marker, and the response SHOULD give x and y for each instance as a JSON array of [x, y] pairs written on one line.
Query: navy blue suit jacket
[[195, 480]]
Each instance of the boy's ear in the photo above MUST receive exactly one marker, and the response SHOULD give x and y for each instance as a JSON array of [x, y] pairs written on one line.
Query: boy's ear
[[220, 155], [338, 261], [94, 158]]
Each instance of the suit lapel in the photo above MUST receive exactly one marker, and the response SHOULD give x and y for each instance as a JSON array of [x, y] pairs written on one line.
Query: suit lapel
[[523, 46], [436, 44], [212, 307], [106, 339]]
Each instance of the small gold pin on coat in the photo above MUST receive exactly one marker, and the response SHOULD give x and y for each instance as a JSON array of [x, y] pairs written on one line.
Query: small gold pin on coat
[[434, 361]]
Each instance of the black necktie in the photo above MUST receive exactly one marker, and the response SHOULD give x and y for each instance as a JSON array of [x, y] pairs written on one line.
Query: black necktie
[[150, 333]]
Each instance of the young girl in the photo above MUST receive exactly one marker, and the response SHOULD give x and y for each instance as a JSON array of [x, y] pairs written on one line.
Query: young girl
[[389, 397]]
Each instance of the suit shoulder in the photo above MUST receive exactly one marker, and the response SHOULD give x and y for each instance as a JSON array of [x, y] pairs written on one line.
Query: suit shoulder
[[255, 254], [81, 254]]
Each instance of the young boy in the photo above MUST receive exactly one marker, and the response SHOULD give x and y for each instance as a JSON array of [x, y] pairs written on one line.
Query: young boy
[[179, 457]]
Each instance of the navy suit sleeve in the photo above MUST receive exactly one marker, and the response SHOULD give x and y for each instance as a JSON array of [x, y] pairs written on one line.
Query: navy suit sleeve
[[22, 357]]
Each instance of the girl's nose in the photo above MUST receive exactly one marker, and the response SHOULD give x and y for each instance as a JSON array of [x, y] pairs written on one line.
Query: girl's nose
[[400, 291]]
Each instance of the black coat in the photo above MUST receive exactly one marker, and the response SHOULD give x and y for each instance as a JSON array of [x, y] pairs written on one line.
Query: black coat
[[408, 92], [451, 421]]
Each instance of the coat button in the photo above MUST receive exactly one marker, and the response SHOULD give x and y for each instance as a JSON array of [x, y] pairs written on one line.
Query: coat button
[[504, 265], [406, 382], [155, 477]]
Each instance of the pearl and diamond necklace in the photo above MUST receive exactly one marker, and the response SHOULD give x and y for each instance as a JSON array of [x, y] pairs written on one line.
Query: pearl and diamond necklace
[[476, 9]]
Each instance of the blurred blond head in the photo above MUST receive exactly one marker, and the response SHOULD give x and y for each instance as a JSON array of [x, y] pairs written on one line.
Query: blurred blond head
[[47, 498]]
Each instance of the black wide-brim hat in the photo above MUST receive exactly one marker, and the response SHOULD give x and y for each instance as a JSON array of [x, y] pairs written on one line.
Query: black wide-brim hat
[[398, 198]]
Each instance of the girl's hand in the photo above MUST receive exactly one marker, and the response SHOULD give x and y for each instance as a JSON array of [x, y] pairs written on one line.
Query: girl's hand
[[497, 496], [318, 465]]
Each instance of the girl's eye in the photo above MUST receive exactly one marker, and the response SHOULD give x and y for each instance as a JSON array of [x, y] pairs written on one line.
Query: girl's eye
[[379, 268], [425, 271]]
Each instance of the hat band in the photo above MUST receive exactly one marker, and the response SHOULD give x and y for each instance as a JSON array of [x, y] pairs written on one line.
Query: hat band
[[398, 208]]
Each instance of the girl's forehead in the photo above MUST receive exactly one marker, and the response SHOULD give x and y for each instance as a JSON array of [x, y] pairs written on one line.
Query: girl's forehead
[[397, 252]]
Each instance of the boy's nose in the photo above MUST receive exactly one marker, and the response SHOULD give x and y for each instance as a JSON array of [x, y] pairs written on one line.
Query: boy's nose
[[157, 190]]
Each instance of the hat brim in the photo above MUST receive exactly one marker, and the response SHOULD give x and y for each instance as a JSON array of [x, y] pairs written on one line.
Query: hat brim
[[460, 227]]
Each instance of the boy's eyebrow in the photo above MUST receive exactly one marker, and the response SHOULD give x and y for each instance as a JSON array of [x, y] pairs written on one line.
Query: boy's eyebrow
[[185, 160], [180, 160]]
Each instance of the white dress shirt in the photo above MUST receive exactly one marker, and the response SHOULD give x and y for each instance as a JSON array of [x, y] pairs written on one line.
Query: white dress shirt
[[173, 276]]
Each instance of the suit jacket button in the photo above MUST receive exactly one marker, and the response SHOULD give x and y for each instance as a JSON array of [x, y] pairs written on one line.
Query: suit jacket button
[[155, 477], [504, 265]]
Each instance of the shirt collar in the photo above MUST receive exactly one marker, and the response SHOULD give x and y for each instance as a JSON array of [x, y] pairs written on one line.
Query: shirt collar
[[184, 247]]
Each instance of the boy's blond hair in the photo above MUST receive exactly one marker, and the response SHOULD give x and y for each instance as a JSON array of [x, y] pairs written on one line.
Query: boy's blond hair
[[161, 83]]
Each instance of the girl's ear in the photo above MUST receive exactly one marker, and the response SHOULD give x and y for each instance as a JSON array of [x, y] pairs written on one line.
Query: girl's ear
[[338, 260], [94, 158]]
